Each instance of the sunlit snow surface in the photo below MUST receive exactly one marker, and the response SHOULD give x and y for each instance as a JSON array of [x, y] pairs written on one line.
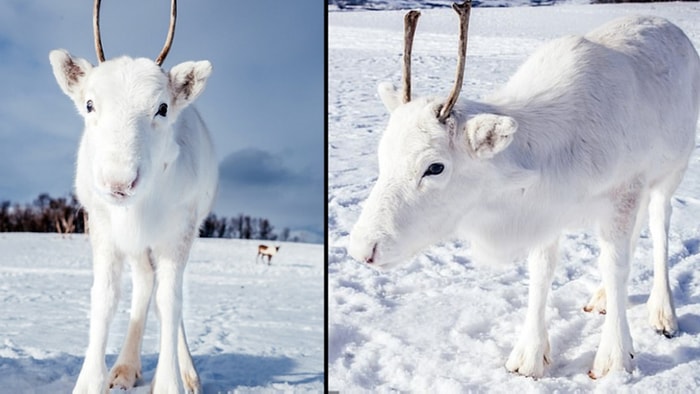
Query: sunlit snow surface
[[251, 327], [441, 323]]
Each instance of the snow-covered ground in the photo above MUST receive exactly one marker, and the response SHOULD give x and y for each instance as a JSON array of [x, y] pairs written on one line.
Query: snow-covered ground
[[251, 327], [441, 323]]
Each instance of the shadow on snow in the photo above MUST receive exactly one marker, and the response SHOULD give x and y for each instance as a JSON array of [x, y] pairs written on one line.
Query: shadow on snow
[[217, 373]]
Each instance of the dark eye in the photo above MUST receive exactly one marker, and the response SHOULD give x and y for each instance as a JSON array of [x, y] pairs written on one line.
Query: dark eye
[[89, 106], [434, 169], [162, 110]]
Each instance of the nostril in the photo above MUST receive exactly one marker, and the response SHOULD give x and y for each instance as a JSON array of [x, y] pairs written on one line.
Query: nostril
[[133, 184]]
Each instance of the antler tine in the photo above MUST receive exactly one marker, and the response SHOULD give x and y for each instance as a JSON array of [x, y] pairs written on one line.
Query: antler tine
[[410, 22], [171, 34], [463, 10], [96, 30]]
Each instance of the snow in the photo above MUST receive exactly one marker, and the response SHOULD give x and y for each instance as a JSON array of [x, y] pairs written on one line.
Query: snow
[[440, 323], [251, 327]]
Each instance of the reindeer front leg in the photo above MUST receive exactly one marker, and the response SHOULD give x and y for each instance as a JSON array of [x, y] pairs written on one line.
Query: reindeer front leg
[[169, 303], [531, 353], [104, 297], [127, 369], [172, 371]]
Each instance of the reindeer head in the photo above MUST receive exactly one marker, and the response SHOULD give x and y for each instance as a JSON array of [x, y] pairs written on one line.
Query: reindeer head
[[130, 107], [431, 159]]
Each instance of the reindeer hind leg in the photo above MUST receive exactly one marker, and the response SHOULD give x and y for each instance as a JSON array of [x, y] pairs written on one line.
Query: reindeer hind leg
[[662, 313]]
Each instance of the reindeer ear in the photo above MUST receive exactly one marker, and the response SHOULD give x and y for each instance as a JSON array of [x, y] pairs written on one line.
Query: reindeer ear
[[389, 95], [70, 73], [187, 81], [489, 134]]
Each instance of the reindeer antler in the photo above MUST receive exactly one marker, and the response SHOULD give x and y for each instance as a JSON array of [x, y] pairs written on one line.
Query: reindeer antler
[[171, 34], [96, 30], [410, 21], [168, 41], [463, 10]]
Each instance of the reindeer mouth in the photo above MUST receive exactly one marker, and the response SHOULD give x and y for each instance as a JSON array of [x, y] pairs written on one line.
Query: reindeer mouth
[[379, 261], [370, 259], [120, 195], [118, 198]]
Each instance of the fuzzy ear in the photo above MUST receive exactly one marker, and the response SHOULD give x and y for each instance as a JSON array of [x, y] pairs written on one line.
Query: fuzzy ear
[[389, 95], [489, 134], [70, 72], [187, 81]]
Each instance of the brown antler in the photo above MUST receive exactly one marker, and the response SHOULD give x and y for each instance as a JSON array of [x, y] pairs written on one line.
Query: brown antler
[[410, 21], [163, 52], [463, 10], [96, 30], [171, 34]]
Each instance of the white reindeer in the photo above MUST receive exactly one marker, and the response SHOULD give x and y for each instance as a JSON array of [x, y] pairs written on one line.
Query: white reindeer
[[590, 130], [146, 174]]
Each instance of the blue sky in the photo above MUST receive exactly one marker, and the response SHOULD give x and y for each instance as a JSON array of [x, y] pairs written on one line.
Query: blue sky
[[263, 103]]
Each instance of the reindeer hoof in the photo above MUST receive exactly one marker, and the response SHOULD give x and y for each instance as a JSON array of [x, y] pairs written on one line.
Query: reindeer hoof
[[124, 377]]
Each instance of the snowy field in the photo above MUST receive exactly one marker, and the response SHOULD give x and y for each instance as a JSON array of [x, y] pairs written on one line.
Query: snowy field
[[251, 327], [440, 323]]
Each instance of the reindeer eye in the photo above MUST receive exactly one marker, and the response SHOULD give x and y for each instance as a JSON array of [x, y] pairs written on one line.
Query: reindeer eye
[[162, 110], [89, 106], [434, 169]]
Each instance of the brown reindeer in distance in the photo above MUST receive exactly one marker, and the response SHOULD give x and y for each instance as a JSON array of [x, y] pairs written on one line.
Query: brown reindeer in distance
[[269, 251]]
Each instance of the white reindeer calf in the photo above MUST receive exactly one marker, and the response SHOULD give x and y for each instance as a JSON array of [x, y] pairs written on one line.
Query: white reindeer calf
[[269, 251], [146, 174], [591, 130]]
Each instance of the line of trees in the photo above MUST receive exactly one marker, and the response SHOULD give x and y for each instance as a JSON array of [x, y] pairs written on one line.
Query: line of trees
[[243, 227], [64, 215], [43, 215]]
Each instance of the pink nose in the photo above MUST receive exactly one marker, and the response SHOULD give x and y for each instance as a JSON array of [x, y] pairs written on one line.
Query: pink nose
[[123, 189], [364, 246]]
